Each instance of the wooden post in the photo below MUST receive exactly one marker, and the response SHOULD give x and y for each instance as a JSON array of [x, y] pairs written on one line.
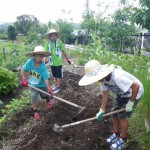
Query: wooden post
[[4, 52]]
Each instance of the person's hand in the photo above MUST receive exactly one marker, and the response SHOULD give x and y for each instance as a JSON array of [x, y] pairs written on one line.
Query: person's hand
[[51, 92], [100, 114], [45, 61], [68, 60], [130, 106], [24, 82]]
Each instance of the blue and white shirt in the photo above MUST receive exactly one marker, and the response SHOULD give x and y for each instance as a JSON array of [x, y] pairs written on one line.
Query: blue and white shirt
[[37, 75]]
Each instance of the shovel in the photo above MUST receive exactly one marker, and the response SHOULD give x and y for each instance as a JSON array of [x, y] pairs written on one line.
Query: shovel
[[60, 99], [60, 129]]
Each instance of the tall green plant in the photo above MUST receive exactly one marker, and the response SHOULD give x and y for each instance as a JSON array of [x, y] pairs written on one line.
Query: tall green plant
[[8, 81]]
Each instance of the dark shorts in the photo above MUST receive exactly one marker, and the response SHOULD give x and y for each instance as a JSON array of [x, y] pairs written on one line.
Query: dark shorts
[[121, 103], [35, 93], [57, 71]]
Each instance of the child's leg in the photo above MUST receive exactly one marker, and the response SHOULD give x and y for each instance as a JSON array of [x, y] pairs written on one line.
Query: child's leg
[[34, 106], [59, 76], [34, 99], [58, 82], [44, 96], [124, 128], [115, 122], [34, 102], [114, 137]]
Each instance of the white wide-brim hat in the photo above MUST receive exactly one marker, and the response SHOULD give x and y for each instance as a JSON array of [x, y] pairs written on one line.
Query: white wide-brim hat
[[39, 50], [94, 72], [51, 31]]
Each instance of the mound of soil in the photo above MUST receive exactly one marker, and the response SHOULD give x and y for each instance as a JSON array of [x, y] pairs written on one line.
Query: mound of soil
[[39, 135]]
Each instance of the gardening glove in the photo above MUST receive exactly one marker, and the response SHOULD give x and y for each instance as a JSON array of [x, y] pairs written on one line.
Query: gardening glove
[[100, 114], [24, 82], [68, 60], [130, 106], [51, 92]]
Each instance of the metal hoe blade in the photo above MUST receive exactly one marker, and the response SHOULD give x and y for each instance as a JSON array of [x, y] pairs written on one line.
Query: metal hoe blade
[[58, 129]]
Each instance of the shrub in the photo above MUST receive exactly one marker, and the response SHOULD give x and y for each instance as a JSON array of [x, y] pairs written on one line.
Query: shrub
[[8, 81], [10, 112]]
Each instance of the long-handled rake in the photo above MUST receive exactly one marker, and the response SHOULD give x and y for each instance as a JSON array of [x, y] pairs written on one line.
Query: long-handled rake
[[60, 129], [82, 109]]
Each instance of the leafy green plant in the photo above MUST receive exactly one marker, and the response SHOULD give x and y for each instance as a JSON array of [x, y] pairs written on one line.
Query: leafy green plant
[[15, 54], [10, 111], [8, 81]]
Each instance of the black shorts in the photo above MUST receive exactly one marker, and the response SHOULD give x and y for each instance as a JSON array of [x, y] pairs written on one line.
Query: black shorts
[[121, 103], [57, 71]]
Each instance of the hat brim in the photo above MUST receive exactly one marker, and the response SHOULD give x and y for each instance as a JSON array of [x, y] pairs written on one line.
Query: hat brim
[[47, 35], [87, 80], [45, 54]]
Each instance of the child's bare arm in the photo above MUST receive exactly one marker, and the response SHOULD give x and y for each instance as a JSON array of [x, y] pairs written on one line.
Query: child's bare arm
[[24, 81], [104, 99], [23, 74], [67, 59], [47, 84], [65, 54], [135, 88]]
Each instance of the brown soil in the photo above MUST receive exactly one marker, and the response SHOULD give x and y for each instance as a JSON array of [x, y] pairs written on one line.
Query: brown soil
[[39, 135]]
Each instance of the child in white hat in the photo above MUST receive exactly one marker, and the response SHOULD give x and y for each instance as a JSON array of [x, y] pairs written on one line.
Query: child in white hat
[[128, 90], [38, 77], [56, 48]]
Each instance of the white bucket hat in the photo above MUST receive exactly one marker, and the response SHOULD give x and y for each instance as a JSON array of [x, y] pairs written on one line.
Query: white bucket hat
[[50, 32], [39, 50], [94, 72]]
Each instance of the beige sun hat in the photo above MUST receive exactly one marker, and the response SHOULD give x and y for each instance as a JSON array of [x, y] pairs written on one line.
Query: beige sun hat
[[94, 72], [39, 50], [50, 32]]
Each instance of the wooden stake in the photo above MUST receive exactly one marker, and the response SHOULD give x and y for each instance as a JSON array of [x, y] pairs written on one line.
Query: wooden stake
[[4, 52]]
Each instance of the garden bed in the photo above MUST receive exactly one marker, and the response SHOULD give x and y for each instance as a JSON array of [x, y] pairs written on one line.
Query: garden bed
[[39, 135]]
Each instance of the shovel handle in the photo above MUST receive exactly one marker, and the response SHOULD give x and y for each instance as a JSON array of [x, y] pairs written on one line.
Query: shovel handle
[[58, 98], [94, 118]]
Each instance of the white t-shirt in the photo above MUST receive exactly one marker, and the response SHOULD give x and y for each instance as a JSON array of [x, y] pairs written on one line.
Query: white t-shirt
[[120, 83]]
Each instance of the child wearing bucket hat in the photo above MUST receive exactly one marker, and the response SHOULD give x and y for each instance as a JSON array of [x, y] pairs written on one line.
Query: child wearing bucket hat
[[56, 48], [128, 90], [38, 77]]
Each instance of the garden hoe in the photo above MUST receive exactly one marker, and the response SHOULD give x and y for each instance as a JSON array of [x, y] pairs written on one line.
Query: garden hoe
[[60, 129], [75, 66], [82, 109]]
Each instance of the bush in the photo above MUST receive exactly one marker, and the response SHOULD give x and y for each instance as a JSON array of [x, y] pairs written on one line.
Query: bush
[[10, 112], [8, 81]]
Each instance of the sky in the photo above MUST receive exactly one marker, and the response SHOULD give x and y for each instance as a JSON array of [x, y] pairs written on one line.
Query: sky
[[46, 10]]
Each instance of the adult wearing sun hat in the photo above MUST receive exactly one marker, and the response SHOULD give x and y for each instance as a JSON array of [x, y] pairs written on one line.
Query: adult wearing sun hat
[[38, 77], [55, 46], [128, 90]]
